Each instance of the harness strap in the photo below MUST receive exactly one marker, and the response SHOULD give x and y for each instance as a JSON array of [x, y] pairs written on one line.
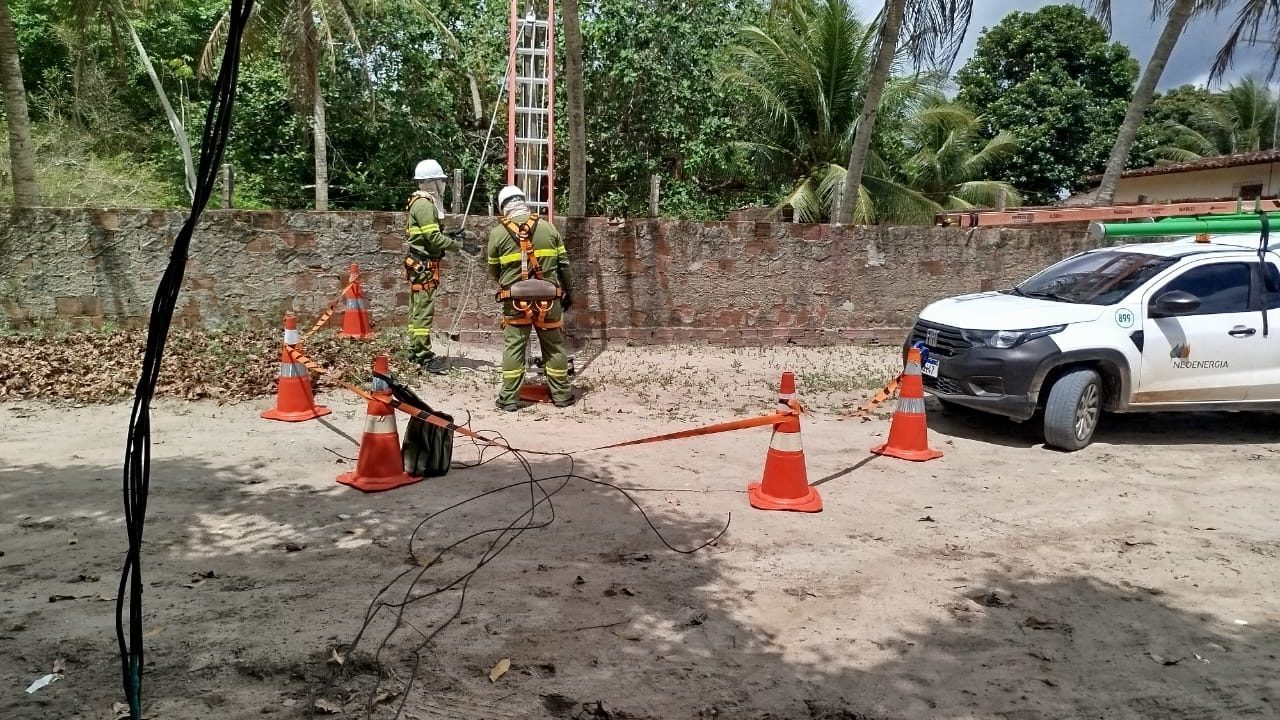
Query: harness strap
[[521, 234], [531, 312], [423, 275]]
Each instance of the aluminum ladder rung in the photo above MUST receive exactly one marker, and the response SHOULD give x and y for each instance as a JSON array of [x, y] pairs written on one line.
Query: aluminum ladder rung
[[537, 173]]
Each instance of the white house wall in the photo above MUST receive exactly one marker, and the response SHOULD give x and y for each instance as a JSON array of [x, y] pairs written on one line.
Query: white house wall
[[1212, 184]]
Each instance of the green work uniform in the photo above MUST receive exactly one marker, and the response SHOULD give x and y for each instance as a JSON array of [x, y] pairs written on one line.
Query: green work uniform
[[427, 245], [504, 266]]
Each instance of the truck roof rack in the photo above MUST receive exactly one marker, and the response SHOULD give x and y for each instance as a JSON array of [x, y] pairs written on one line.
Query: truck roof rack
[[1039, 216]]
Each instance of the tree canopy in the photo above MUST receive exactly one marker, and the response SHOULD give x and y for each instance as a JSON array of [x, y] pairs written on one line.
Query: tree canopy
[[731, 103]]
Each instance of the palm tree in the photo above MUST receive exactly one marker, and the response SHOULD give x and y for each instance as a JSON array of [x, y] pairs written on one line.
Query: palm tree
[[949, 157], [934, 31], [1257, 23], [113, 15], [1179, 13], [577, 114], [22, 153], [305, 28], [1242, 119], [805, 70]]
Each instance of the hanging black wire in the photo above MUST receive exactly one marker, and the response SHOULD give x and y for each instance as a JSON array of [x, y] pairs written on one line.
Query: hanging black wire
[[137, 462], [504, 536]]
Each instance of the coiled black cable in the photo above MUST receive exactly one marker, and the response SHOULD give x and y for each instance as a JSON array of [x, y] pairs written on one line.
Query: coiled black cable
[[137, 462]]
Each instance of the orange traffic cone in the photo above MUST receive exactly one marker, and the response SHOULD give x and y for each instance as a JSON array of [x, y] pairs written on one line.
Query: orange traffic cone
[[786, 482], [909, 432], [535, 392], [294, 401], [380, 465], [355, 321]]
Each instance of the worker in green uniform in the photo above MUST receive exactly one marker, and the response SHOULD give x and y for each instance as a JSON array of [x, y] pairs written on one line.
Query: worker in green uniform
[[427, 246], [528, 259]]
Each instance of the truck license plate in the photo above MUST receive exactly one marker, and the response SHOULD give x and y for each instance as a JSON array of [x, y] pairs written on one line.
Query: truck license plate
[[930, 368]]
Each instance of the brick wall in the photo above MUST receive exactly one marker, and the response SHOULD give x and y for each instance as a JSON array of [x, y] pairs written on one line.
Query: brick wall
[[731, 283]]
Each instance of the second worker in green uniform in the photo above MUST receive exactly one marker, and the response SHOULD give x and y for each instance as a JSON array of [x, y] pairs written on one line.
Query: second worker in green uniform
[[427, 246], [525, 254]]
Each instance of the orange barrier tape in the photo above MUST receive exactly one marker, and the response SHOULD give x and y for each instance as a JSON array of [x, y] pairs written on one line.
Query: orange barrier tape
[[328, 312], [429, 417], [882, 396], [432, 418], [761, 421]]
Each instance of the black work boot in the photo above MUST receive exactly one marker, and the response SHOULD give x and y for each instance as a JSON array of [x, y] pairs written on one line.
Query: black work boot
[[435, 365]]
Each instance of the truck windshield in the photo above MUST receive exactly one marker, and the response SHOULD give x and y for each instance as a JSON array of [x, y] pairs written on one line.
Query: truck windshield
[[1103, 277]]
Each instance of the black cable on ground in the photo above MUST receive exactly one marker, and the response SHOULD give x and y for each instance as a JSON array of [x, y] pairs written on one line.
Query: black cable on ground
[[137, 464], [505, 536]]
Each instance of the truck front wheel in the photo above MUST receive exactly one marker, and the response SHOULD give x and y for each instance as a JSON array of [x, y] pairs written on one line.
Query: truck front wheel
[[1071, 413]]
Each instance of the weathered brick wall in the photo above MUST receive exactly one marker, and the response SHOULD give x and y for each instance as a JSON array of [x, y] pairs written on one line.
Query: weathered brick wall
[[644, 281]]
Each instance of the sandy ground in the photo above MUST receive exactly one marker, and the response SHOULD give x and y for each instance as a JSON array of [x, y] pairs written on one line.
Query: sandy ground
[[1135, 579]]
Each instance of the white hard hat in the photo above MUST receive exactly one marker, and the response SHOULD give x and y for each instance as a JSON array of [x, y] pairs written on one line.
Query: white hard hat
[[428, 170], [508, 192]]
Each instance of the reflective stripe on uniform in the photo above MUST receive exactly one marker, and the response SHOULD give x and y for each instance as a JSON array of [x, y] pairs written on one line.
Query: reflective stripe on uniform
[[495, 261], [515, 256], [911, 405], [419, 331], [509, 374], [556, 373], [289, 370], [786, 442], [423, 229]]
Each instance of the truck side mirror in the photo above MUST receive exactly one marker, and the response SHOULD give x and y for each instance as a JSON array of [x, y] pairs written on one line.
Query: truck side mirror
[[1174, 303]]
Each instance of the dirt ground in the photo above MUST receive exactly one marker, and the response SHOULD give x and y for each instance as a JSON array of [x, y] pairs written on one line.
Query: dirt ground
[[1137, 578]]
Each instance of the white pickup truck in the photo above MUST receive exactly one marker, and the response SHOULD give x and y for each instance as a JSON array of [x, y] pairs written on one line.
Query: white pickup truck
[[1162, 326]]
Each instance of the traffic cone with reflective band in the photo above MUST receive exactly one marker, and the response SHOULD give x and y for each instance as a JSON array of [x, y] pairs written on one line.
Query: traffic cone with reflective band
[[909, 432], [355, 321], [380, 465], [786, 482], [294, 401]]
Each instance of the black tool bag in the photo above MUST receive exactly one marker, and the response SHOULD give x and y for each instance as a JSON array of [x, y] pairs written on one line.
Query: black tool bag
[[427, 449]]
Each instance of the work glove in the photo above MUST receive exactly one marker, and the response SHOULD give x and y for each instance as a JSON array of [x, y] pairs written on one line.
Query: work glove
[[465, 241], [566, 301]]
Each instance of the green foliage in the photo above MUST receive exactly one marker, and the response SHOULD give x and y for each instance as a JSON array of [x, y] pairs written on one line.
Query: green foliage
[[803, 72], [71, 173], [1054, 81], [654, 106], [949, 160], [1189, 122]]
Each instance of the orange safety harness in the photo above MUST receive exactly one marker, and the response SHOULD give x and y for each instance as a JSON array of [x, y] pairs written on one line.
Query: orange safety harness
[[533, 297], [423, 275]]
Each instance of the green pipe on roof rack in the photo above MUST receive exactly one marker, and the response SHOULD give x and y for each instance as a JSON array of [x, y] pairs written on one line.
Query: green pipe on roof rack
[[1234, 224]]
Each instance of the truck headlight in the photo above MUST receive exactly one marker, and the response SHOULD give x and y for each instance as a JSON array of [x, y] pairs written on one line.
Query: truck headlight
[[1004, 339]]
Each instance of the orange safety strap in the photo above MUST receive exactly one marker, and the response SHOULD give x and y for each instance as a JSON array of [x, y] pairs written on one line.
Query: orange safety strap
[[328, 312], [433, 419], [882, 395], [760, 421], [521, 234], [534, 314], [414, 267]]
